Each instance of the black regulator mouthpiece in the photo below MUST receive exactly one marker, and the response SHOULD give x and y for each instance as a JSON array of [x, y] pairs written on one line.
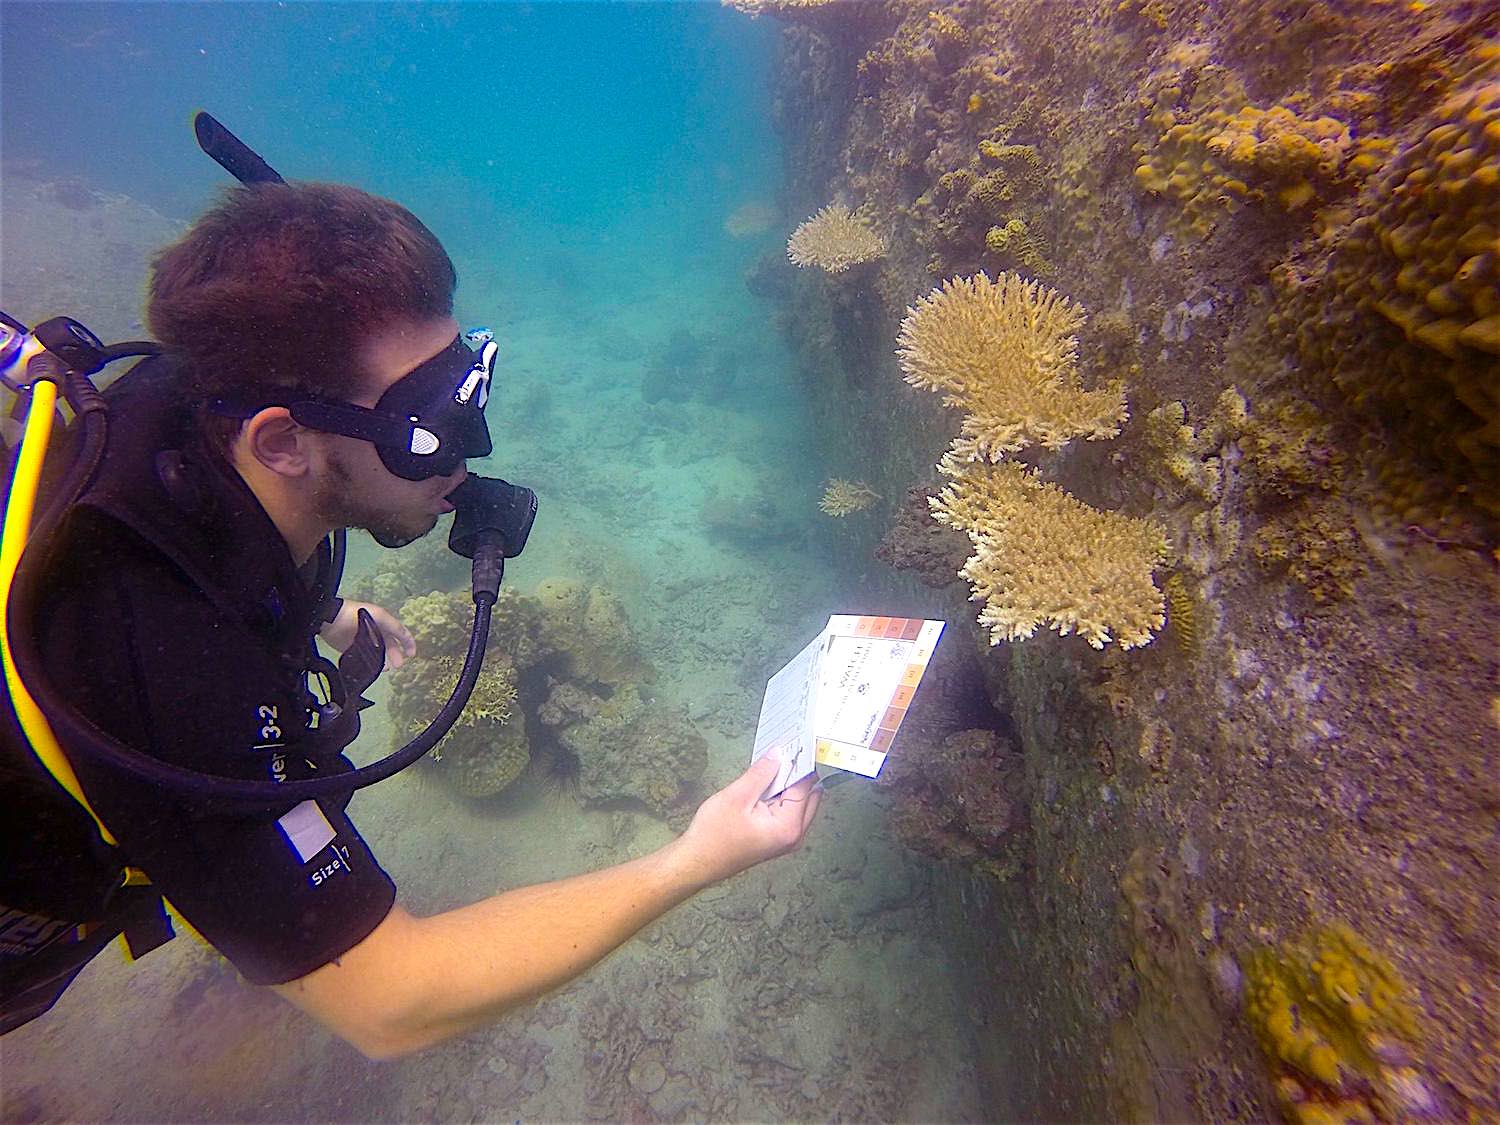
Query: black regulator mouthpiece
[[491, 523]]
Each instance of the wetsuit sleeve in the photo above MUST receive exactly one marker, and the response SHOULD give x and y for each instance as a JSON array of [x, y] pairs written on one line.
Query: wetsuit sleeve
[[153, 663]]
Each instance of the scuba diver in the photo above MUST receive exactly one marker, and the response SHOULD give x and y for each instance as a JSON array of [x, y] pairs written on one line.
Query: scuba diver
[[172, 737]]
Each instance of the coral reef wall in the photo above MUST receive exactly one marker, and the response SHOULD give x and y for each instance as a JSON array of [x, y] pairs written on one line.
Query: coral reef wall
[[1245, 838]]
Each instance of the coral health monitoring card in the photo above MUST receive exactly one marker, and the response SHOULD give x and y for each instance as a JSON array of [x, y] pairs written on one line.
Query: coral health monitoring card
[[840, 701]]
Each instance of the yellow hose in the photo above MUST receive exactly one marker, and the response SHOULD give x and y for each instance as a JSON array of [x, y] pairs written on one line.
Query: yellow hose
[[17, 529]]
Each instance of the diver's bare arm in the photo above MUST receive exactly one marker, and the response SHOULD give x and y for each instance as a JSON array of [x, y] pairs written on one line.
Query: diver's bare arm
[[416, 981]]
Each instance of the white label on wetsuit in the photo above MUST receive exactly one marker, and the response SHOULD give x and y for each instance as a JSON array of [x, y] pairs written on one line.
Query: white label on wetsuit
[[307, 830]]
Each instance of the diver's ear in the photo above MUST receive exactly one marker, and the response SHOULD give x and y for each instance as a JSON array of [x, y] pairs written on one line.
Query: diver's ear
[[271, 438]]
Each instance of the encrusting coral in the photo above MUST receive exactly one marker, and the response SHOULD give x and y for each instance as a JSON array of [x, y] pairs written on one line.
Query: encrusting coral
[[843, 497], [1043, 556], [1188, 459], [1399, 302], [1338, 1028], [1219, 153], [1005, 353], [1436, 237], [834, 239], [1016, 241]]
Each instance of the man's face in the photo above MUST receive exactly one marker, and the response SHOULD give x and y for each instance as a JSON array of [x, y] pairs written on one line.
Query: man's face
[[355, 488]]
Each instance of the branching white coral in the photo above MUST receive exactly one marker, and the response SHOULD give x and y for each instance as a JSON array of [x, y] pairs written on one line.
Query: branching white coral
[[834, 239]]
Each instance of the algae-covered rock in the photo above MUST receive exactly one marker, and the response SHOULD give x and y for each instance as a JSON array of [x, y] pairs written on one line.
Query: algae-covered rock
[[961, 800]]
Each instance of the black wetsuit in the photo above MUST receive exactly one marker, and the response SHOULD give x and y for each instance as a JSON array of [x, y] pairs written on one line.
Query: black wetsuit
[[173, 617]]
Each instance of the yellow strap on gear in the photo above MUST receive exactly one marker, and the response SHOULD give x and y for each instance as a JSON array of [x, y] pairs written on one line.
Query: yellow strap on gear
[[17, 529]]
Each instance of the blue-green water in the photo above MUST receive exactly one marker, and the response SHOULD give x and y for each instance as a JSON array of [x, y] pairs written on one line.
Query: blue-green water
[[588, 168]]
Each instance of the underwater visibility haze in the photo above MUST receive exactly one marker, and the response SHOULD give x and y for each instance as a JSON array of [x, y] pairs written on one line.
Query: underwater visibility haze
[[1153, 346]]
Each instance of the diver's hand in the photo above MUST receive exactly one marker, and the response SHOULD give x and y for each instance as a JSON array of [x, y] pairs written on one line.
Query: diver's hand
[[734, 829], [400, 645]]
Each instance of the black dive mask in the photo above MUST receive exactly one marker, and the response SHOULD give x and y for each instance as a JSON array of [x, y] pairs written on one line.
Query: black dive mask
[[425, 424]]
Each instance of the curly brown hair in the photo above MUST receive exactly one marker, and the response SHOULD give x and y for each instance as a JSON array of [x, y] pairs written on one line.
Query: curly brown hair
[[277, 285]]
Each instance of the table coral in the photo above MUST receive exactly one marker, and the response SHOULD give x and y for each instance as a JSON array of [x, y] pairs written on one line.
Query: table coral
[[1005, 352], [1042, 556]]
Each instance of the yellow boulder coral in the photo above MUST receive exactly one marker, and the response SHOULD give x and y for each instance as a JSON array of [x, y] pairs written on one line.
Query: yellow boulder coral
[[1220, 153], [1005, 353], [1042, 556], [834, 239], [1337, 1025], [1435, 241]]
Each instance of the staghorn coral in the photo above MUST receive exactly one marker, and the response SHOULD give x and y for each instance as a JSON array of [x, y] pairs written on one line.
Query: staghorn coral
[[842, 497], [1005, 353], [1337, 1026], [1042, 556], [834, 239]]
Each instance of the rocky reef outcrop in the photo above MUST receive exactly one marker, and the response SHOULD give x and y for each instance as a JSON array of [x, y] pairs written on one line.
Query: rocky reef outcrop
[[1282, 220]]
